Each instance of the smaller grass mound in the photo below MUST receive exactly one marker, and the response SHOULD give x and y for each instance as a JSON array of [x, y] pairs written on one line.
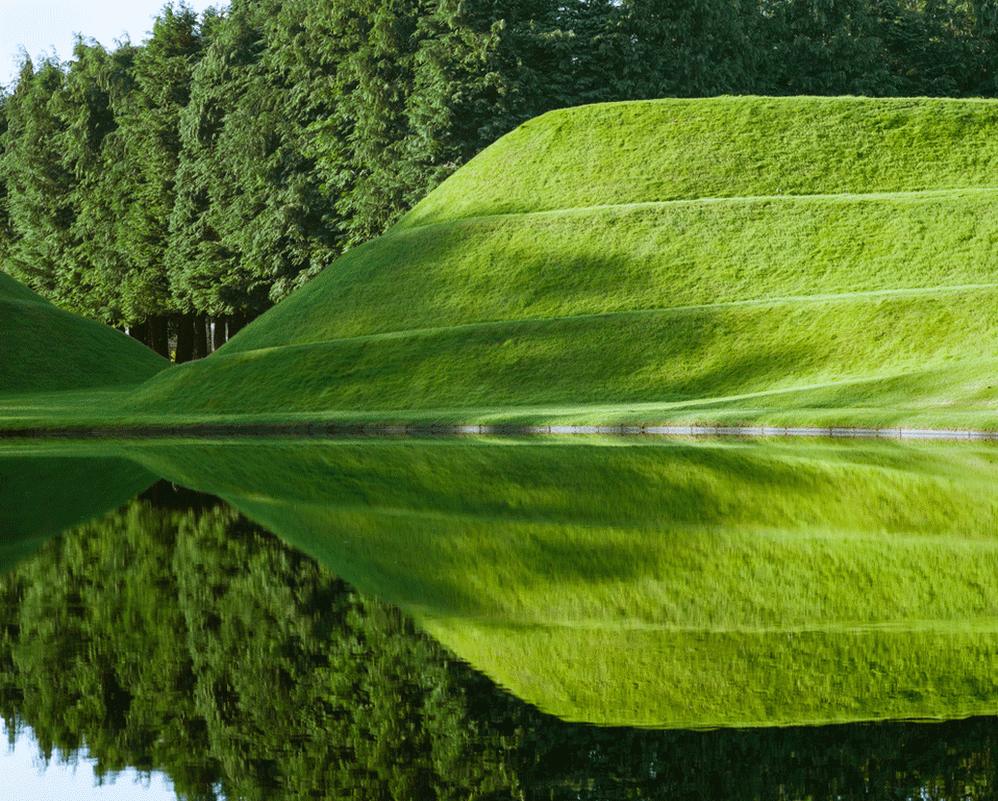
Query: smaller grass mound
[[44, 348]]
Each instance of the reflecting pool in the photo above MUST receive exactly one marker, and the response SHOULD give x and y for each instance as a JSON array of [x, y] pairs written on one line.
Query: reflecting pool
[[490, 619]]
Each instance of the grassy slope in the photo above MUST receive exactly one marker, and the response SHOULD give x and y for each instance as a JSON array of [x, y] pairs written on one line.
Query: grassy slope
[[684, 586], [45, 349], [607, 291]]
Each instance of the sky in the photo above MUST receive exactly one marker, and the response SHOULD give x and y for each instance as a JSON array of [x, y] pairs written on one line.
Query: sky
[[24, 777], [44, 26]]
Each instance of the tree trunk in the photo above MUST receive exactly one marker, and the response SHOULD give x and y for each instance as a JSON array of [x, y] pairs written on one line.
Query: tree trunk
[[218, 338], [139, 331], [159, 336], [236, 322], [200, 337], [185, 338]]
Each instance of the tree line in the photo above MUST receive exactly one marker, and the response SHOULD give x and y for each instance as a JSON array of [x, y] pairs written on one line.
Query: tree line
[[179, 187]]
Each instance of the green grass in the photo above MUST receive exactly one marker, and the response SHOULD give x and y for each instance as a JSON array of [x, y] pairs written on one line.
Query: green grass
[[661, 356], [13, 290], [647, 257], [686, 585], [785, 261], [45, 349]]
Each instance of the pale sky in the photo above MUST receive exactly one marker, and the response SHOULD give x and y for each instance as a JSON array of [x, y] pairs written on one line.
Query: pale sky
[[44, 26], [26, 778]]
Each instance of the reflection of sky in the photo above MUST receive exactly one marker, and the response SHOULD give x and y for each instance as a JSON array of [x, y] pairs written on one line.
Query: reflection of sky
[[24, 777], [43, 25]]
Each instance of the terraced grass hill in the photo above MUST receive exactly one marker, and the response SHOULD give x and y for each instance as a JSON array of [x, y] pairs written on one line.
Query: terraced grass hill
[[779, 260], [45, 349]]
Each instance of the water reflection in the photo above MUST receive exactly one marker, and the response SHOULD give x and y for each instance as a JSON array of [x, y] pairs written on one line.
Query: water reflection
[[44, 490], [678, 586], [674, 586]]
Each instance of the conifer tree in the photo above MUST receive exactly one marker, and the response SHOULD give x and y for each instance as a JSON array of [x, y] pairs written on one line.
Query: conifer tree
[[91, 273], [38, 182], [204, 271], [145, 162], [6, 232]]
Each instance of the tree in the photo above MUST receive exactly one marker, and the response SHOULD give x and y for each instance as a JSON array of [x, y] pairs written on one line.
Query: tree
[[142, 166], [39, 182], [92, 271], [6, 231]]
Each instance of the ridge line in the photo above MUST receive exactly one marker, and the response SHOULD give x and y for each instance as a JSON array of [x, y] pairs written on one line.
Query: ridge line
[[401, 226]]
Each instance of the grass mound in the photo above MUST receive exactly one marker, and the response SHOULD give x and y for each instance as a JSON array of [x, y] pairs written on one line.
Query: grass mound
[[785, 260], [660, 150], [46, 349]]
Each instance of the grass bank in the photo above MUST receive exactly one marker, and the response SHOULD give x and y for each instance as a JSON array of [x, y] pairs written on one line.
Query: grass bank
[[786, 261], [44, 349]]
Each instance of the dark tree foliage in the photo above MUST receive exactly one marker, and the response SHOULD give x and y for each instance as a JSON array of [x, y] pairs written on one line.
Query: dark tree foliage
[[96, 285], [216, 167], [176, 636], [6, 232], [143, 163]]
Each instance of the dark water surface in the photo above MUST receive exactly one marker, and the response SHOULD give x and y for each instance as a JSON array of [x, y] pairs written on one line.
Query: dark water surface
[[504, 619]]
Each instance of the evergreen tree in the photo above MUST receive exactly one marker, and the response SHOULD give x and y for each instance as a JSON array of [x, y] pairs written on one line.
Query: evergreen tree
[[204, 268], [39, 183], [143, 164], [6, 232], [90, 275]]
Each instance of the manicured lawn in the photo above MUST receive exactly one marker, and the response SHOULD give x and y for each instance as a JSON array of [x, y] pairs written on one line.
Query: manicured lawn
[[724, 147], [861, 353], [740, 259]]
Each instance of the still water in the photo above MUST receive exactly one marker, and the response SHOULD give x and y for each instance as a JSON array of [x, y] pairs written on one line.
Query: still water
[[504, 619]]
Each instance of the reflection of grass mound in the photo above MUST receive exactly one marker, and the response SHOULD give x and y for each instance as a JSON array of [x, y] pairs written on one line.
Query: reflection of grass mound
[[45, 492], [832, 257], [693, 679], [672, 586], [43, 348]]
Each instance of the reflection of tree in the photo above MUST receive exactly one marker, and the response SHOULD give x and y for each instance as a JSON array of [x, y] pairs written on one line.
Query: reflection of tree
[[188, 640], [175, 635]]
